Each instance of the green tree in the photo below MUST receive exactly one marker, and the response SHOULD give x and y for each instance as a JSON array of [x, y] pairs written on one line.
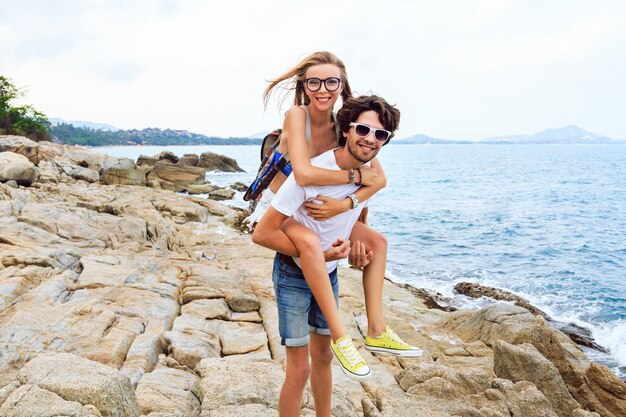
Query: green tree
[[20, 120]]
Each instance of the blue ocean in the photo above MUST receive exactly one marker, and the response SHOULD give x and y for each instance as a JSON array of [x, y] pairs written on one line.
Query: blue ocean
[[546, 222]]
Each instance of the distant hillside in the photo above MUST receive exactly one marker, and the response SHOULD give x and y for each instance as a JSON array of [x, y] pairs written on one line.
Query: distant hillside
[[72, 135], [568, 134], [420, 139], [79, 123]]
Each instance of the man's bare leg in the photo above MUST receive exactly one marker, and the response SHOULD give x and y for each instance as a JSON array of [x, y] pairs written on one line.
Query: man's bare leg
[[321, 374], [296, 375]]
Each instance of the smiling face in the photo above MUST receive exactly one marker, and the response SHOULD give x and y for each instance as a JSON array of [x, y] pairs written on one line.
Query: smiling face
[[322, 98], [364, 149]]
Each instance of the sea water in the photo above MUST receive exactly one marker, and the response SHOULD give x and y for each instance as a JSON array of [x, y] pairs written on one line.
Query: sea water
[[546, 222]]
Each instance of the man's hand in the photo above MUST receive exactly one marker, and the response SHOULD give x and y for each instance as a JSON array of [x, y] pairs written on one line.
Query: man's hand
[[358, 256], [339, 250]]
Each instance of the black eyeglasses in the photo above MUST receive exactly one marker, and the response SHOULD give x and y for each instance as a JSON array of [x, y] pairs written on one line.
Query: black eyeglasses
[[331, 83], [362, 130]]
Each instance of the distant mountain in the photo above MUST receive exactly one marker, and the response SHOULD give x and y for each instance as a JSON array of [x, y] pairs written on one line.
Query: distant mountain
[[420, 139], [258, 135], [567, 134], [78, 123]]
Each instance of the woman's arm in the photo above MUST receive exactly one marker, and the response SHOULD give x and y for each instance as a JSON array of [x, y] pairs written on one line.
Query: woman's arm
[[269, 232], [305, 174], [331, 206]]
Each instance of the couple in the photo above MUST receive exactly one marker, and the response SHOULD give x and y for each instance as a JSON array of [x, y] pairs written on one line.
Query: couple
[[310, 237]]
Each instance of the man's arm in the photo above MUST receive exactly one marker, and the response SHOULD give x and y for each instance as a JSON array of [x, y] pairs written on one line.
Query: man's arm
[[268, 233]]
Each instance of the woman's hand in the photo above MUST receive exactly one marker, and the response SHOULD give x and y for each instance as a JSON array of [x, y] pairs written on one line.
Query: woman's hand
[[359, 257], [339, 250], [330, 207], [368, 175]]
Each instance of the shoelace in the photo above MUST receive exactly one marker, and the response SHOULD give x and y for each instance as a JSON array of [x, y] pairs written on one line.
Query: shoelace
[[393, 336], [350, 353]]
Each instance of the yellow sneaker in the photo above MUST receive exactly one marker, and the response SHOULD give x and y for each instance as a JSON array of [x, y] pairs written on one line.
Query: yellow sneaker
[[389, 342], [352, 364]]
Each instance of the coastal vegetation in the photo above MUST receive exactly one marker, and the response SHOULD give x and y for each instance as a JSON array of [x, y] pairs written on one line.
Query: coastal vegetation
[[22, 120], [70, 134]]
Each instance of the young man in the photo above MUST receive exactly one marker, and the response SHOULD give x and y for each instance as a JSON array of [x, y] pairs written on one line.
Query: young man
[[367, 123]]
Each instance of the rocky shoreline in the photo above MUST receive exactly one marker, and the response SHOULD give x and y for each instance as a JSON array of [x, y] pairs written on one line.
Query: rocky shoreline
[[128, 300]]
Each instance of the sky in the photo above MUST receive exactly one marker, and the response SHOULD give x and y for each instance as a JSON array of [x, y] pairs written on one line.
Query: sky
[[456, 69]]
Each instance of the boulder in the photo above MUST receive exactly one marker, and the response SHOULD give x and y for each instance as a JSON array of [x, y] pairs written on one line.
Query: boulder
[[173, 392], [239, 186], [214, 162], [221, 195], [202, 189], [179, 175], [190, 159], [18, 168], [83, 381], [525, 363], [241, 381], [474, 290], [189, 347], [146, 161], [122, 172], [21, 145], [242, 302], [167, 156], [32, 401]]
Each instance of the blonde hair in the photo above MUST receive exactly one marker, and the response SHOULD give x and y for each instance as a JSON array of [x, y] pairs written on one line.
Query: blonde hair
[[294, 78]]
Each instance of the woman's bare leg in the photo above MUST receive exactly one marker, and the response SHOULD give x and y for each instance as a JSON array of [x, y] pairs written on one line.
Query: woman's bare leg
[[373, 276], [315, 273]]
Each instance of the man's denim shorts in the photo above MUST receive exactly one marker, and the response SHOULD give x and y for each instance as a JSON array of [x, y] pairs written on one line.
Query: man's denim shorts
[[298, 312]]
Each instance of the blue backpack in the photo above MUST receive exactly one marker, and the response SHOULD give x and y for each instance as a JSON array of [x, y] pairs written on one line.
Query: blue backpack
[[272, 162]]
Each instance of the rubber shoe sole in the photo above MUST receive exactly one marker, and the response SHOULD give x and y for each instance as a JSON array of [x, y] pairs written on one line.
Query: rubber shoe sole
[[352, 375], [410, 353]]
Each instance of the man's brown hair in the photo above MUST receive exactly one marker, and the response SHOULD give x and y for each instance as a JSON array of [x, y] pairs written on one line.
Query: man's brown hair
[[353, 107]]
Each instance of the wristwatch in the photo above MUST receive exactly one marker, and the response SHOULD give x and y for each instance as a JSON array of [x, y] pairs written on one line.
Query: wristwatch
[[355, 200]]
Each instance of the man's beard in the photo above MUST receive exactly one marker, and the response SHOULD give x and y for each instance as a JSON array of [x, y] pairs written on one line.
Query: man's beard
[[354, 151]]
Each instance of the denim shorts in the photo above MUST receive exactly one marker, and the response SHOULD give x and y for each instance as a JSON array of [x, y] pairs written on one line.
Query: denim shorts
[[298, 312]]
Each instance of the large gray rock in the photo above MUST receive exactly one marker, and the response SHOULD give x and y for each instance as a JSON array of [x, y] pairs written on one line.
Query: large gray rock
[[525, 363], [242, 382], [32, 401], [214, 162], [221, 195], [174, 392], [18, 168], [122, 172], [190, 347], [77, 379], [179, 175], [201, 189]]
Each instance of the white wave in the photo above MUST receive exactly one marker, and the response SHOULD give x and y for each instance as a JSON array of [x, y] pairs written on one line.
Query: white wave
[[613, 337]]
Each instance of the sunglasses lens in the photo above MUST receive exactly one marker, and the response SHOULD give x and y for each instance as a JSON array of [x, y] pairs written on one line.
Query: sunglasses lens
[[381, 135], [361, 130]]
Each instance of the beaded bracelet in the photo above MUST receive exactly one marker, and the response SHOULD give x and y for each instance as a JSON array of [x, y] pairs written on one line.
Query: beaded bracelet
[[360, 178]]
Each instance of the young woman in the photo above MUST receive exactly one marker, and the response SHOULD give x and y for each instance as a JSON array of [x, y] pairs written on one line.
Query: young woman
[[309, 129]]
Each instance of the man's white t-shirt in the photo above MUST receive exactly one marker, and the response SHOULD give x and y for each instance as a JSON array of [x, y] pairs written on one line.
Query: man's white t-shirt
[[291, 197]]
